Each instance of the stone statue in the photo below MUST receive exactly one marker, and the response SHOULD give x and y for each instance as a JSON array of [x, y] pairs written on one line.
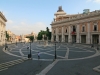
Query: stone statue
[[60, 9]]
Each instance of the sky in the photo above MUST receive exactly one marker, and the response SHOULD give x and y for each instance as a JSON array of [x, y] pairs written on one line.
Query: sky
[[26, 16]]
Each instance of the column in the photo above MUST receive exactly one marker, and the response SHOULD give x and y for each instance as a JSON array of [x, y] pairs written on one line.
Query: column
[[80, 39], [88, 34], [91, 40], [69, 34], [4, 34], [99, 39], [0, 33], [57, 34], [77, 39], [52, 37], [62, 34]]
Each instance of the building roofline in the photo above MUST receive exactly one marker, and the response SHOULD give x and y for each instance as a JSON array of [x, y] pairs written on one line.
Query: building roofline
[[3, 16], [78, 16]]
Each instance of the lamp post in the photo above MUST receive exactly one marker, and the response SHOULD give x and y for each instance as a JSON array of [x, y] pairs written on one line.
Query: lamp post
[[16, 42], [30, 50], [97, 44], [5, 44], [55, 51]]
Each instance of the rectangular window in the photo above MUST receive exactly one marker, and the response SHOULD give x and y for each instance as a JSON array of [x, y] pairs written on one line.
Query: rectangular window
[[95, 27], [74, 29], [83, 29], [66, 30]]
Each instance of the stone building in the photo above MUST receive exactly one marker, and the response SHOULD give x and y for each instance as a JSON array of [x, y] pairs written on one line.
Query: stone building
[[32, 34], [3, 21], [79, 28], [12, 36]]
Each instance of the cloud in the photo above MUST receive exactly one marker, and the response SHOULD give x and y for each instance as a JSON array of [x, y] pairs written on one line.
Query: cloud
[[9, 22], [25, 28], [94, 1], [22, 23]]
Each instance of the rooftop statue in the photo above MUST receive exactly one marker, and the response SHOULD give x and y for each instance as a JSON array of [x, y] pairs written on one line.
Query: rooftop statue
[[60, 9]]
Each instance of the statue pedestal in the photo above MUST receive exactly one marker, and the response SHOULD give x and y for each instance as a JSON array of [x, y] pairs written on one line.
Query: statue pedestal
[[45, 43]]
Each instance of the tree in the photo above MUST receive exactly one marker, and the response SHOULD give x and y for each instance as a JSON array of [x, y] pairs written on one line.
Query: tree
[[40, 34], [47, 33], [7, 35], [31, 38]]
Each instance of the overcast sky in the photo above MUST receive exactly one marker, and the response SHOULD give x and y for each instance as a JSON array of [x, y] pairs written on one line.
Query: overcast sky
[[25, 16]]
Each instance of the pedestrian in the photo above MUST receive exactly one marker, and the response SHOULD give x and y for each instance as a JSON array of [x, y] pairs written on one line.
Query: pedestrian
[[92, 46], [27, 47], [38, 55]]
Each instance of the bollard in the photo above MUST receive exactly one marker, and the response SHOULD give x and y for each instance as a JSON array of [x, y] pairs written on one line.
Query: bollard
[[97, 48], [92, 46]]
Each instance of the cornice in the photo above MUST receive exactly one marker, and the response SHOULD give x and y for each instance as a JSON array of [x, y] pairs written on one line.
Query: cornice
[[3, 17], [92, 19], [79, 17]]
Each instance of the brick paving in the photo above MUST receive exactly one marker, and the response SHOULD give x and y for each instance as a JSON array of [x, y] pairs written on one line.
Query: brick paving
[[5, 57]]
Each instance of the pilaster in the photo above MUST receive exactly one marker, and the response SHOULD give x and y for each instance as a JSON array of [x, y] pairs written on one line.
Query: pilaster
[[69, 34], [99, 38], [52, 37], [62, 34], [56, 34], [77, 41], [0, 32], [80, 39], [88, 34]]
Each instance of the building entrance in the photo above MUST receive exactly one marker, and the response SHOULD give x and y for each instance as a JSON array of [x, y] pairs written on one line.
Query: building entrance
[[73, 38], [95, 39], [66, 38], [60, 38], [83, 38]]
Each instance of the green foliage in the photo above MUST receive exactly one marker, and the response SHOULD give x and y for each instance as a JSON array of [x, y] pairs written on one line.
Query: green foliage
[[47, 33], [31, 38], [7, 35]]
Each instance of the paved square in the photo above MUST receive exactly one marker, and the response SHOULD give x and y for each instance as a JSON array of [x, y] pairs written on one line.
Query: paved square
[[72, 59]]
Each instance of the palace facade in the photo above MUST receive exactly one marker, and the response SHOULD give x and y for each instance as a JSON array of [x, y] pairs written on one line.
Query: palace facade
[[79, 28], [3, 21]]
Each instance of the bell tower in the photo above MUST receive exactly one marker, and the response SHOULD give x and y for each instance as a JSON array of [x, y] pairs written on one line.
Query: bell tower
[[59, 12]]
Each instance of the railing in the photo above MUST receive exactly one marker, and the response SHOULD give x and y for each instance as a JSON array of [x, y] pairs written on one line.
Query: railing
[[90, 14]]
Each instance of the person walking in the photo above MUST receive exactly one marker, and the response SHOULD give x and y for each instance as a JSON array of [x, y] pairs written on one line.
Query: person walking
[[38, 55], [27, 47]]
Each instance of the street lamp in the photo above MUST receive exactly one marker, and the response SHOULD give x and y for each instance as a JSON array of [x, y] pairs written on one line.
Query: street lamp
[[55, 50], [5, 44], [30, 55], [97, 44], [16, 42], [30, 49]]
